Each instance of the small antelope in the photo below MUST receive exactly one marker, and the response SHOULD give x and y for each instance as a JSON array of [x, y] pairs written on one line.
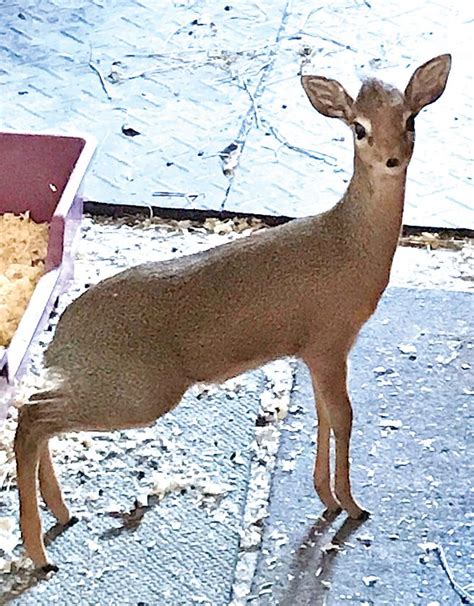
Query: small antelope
[[130, 346]]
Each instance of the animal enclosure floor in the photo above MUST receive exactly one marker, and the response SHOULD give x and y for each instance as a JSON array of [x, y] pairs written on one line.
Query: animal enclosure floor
[[198, 104], [214, 504], [412, 387]]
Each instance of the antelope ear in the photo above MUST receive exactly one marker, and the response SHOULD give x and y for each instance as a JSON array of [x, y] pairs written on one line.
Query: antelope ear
[[328, 97], [428, 83]]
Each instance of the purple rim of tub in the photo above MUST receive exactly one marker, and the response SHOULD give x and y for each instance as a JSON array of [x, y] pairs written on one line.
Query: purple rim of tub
[[42, 174]]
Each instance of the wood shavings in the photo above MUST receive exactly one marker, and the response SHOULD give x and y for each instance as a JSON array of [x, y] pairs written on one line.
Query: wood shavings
[[445, 360], [434, 269], [427, 443], [279, 377], [214, 489], [237, 458], [407, 349], [401, 463], [390, 423], [5, 566], [23, 248], [381, 370], [164, 484], [326, 584], [93, 545], [370, 580], [8, 539], [432, 241], [280, 538], [328, 547], [239, 225], [200, 599], [230, 158], [7, 461], [428, 546], [366, 539], [288, 466]]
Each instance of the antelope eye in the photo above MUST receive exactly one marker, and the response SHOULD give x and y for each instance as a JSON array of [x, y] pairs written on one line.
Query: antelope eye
[[359, 130], [410, 123]]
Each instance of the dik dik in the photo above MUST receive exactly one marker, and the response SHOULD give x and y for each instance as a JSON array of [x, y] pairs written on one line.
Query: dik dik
[[129, 347]]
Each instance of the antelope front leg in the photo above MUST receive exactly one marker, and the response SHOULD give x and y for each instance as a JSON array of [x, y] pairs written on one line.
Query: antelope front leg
[[330, 379]]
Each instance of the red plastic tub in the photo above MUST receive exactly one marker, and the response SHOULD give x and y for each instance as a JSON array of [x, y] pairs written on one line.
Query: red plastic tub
[[42, 174]]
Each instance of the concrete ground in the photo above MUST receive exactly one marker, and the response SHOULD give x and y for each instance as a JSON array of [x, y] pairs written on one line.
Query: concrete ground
[[214, 504], [411, 469]]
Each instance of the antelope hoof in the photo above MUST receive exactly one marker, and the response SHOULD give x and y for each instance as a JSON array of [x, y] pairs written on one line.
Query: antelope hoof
[[331, 514], [47, 568], [332, 506], [72, 520], [356, 513], [364, 515]]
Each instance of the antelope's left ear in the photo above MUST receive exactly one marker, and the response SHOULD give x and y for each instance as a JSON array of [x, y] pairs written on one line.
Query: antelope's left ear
[[428, 83]]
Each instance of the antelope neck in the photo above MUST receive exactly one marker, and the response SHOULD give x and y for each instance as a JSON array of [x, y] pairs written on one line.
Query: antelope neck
[[376, 197]]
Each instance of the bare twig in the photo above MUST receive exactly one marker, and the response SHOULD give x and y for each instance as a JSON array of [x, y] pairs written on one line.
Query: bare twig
[[95, 69], [330, 160], [173, 194], [230, 157], [171, 55], [248, 73], [260, 8], [251, 52], [200, 58], [331, 40], [180, 29], [244, 85], [465, 596], [302, 32], [308, 17]]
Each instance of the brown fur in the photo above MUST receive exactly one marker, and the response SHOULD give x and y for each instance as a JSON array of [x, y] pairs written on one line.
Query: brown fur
[[129, 347]]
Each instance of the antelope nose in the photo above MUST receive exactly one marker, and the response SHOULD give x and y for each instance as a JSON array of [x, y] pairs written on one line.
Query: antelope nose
[[392, 162]]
